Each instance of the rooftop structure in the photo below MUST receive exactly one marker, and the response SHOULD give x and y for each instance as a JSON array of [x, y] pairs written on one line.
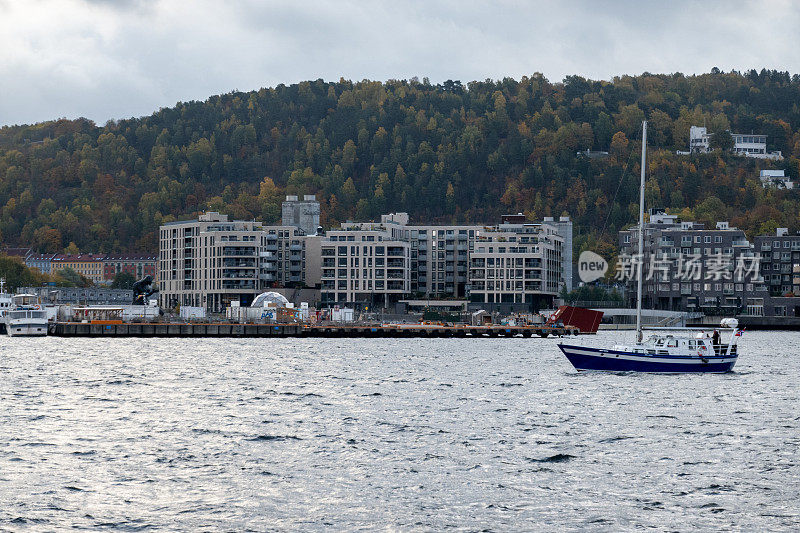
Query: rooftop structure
[[302, 214]]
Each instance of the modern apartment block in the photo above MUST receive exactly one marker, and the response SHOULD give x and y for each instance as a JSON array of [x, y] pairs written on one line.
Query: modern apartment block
[[288, 244], [780, 262], [212, 262], [690, 268], [369, 266], [439, 266], [441, 256], [517, 264]]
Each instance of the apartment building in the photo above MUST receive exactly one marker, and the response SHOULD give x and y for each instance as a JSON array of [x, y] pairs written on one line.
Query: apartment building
[[780, 262], [213, 262], [517, 264], [367, 266], [42, 262], [690, 268], [288, 244], [440, 254], [89, 266]]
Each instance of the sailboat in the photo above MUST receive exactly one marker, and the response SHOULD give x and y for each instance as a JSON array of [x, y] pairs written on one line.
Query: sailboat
[[659, 353]]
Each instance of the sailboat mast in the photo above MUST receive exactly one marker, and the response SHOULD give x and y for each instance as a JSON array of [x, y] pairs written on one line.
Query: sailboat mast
[[641, 238]]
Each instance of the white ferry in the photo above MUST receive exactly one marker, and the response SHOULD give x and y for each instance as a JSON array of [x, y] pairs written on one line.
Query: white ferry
[[26, 316]]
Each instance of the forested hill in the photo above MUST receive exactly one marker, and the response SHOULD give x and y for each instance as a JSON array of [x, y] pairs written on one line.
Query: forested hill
[[444, 153]]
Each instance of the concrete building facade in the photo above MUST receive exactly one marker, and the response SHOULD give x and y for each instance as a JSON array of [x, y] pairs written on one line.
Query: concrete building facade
[[302, 214], [370, 267], [212, 262], [780, 262], [517, 264]]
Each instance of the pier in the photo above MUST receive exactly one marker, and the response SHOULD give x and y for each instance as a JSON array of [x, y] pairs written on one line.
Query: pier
[[82, 329]]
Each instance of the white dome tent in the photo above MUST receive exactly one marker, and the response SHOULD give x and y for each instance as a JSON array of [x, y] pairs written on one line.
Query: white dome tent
[[265, 298]]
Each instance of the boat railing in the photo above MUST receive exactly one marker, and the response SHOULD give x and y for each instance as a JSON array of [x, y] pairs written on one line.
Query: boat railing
[[722, 349]]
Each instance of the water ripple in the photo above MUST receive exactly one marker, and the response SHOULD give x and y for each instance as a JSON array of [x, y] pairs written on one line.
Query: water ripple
[[411, 434]]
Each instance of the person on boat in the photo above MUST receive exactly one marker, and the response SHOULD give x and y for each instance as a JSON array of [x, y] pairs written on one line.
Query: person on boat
[[715, 340]]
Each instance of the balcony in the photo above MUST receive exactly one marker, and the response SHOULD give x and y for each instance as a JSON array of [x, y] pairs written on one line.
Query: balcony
[[238, 275], [239, 263], [239, 285], [238, 251], [266, 277]]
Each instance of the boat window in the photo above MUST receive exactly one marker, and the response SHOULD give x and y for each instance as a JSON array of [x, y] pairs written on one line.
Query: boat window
[[673, 343]]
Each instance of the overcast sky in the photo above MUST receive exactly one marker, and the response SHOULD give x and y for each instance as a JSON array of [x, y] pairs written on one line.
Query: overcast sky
[[106, 59]]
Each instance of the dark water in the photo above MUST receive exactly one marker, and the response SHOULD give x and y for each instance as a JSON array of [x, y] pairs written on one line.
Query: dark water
[[313, 434]]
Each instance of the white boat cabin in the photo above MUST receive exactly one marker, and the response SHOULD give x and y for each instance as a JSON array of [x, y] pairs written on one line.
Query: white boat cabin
[[700, 345]]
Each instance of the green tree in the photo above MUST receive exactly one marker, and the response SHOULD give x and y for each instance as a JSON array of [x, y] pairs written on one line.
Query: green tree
[[16, 274], [722, 140], [68, 277], [123, 280]]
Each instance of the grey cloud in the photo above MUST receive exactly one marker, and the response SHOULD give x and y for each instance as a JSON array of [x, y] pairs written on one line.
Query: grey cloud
[[113, 59]]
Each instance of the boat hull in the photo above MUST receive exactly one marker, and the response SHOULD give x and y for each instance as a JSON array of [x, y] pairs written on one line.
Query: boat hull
[[26, 329], [585, 358]]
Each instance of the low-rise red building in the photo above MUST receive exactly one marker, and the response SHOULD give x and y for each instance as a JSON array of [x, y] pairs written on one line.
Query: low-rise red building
[[139, 265]]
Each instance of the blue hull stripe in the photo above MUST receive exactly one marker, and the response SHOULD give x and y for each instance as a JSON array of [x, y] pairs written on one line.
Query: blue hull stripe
[[584, 358]]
